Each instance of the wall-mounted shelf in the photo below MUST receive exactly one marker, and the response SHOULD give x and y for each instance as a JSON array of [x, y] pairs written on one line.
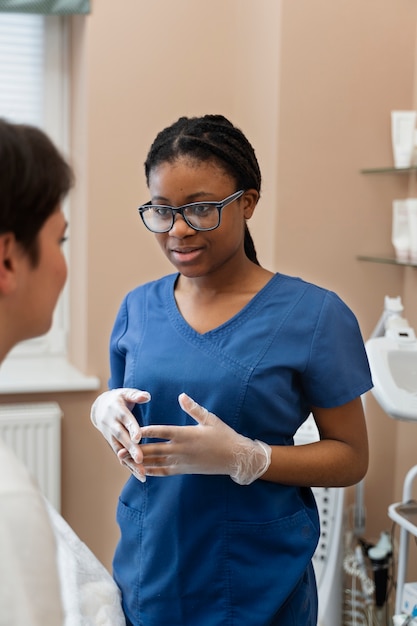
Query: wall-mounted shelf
[[390, 170], [384, 259]]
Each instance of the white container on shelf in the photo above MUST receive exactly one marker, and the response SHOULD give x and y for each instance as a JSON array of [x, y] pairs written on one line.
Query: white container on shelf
[[403, 124], [401, 230], [412, 223]]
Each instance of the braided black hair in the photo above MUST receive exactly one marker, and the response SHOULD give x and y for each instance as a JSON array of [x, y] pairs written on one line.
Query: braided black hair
[[210, 138]]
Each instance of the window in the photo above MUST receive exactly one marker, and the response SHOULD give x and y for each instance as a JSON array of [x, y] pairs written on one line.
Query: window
[[21, 68], [34, 90]]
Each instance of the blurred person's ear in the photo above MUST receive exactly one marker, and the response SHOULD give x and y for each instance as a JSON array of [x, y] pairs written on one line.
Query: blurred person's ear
[[9, 254]]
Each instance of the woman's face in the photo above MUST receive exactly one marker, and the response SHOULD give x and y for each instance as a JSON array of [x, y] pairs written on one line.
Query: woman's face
[[200, 253], [40, 285]]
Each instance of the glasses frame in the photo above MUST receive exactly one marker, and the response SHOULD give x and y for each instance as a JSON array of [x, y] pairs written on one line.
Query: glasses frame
[[174, 210]]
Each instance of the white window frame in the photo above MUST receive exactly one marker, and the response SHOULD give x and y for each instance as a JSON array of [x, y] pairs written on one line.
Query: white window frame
[[41, 364], [55, 116]]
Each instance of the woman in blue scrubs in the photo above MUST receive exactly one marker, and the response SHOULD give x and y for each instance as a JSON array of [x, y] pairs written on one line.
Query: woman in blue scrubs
[[213, 370]]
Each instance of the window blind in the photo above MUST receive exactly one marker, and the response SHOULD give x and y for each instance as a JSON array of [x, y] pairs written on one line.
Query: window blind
[[34, 81], [45, 7], [32, 89], [22, 68]]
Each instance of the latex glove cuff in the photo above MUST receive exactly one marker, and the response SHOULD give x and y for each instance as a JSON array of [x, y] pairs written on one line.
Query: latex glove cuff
[[251, 459]]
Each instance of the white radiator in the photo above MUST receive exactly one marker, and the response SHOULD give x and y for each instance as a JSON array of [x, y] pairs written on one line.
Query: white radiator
[[33, 431]]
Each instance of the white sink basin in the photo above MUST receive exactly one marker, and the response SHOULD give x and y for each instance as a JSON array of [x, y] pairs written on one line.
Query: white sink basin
[[403, 367], [393, 364]]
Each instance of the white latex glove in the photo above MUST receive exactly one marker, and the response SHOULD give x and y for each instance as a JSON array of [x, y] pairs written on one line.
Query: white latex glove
[[111, 415], [210, 447]]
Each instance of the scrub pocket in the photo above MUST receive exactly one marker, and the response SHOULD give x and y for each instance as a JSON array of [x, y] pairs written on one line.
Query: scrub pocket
[[126, 561], [264, 565], [301, 608]]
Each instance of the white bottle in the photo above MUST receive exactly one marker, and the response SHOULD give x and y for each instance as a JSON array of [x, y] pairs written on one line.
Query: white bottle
[[412, 224], [414, 159], [401, 230], [403, 124]]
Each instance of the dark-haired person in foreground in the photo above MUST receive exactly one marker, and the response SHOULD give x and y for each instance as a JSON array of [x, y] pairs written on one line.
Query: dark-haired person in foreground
[[41, 583]]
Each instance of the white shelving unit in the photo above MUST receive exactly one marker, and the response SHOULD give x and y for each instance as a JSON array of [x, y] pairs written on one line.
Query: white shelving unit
[[405, 515]]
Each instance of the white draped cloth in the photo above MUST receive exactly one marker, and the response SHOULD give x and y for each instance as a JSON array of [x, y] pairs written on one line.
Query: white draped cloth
[[48, 576], [29, 582], [90, 596]]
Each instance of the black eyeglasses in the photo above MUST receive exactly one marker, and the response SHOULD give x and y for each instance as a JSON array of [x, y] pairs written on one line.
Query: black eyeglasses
[[159, 218]]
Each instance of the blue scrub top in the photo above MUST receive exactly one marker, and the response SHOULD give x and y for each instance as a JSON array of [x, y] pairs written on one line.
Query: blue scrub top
[[202, 550]]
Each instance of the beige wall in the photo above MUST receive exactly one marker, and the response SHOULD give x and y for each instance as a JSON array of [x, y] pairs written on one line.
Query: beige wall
[[312, 85], [344, 67]]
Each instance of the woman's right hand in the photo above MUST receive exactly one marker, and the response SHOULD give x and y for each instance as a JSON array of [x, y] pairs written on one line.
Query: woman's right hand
[[111, 415]]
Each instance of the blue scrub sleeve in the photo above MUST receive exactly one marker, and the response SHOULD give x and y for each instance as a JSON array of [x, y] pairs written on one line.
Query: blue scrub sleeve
[[117, 354], [337, 355]]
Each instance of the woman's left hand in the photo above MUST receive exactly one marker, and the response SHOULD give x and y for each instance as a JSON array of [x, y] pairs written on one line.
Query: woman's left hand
[[210, 447]]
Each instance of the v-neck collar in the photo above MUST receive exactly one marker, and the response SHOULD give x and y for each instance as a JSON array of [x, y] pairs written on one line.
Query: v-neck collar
[[248, 310]]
